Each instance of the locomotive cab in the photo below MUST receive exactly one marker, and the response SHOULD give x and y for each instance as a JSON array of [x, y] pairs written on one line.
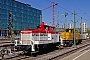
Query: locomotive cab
[[44, 36], [69, 30]]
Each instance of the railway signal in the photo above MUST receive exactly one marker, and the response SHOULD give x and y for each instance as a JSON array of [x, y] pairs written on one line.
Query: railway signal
[[9, 25]]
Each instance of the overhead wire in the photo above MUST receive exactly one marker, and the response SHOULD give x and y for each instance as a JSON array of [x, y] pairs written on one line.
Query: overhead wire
[[80, 10], [77, 7], [60, 6], [40, 9], [67, 9], [73, 4]]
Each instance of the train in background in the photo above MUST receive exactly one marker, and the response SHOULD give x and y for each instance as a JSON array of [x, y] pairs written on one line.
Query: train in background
[[43, 37], [67, 37]]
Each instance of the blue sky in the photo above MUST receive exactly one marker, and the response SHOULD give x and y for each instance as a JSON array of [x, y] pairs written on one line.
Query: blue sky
[[69, 6]]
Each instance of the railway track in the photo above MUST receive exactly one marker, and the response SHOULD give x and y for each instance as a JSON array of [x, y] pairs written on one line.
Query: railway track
[[5, 46], [63, 53], [5, 42], [54, 55]]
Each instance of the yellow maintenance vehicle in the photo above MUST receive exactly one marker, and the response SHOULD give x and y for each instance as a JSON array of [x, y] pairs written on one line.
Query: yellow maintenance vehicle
[[67, 37]]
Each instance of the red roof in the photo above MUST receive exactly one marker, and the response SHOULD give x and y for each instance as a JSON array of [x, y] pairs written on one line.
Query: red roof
[[42, 28]]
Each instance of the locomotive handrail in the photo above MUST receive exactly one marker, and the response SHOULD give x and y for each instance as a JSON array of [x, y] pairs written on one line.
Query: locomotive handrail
[[32, 41]]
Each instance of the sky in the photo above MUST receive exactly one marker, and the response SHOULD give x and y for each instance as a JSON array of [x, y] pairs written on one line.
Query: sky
[[81, 7]]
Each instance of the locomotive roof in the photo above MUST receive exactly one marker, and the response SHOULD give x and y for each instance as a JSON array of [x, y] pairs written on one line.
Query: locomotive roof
[[42, 28]]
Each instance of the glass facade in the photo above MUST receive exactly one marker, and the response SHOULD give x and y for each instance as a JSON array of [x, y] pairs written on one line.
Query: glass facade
[[23, 15]]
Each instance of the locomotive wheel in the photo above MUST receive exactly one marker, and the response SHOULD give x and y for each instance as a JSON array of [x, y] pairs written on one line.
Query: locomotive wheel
[[69, 45], [77, 42], [27, 52]]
